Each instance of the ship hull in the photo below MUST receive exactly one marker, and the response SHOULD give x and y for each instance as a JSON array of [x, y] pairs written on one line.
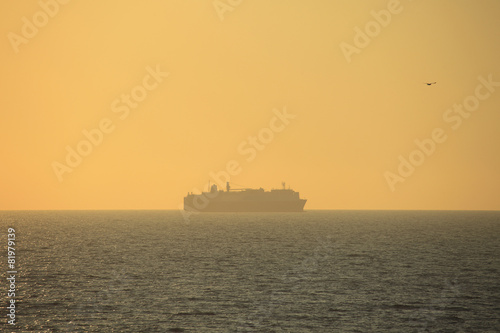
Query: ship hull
[[246, 206]]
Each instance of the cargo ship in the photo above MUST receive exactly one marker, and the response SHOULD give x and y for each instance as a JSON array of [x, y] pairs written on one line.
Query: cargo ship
[[245, 200]]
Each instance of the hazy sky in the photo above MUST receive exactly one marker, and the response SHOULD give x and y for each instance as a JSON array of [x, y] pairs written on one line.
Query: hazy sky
[[346, 77]]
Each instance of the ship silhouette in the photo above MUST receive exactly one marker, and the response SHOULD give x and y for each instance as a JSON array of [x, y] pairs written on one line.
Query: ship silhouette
[[245, 200]]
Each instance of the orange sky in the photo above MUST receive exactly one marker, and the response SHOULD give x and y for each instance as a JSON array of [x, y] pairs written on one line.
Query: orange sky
[[176, 88]]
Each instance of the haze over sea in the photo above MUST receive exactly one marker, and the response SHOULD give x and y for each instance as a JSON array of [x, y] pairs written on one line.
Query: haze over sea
[[317, 271]]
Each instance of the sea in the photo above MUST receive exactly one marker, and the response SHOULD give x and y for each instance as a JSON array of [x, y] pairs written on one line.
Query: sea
[[316, 271]]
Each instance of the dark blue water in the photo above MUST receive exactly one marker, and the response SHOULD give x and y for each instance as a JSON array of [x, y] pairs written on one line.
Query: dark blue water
[[318, 271]]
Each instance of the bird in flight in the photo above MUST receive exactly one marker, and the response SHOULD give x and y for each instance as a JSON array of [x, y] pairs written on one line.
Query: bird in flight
[[430, 83]]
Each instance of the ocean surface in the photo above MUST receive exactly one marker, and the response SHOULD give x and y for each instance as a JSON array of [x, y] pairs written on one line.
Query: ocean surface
[[317, 271]]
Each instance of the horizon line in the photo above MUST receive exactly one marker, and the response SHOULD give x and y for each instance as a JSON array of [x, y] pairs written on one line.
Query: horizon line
[[315, 209]]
